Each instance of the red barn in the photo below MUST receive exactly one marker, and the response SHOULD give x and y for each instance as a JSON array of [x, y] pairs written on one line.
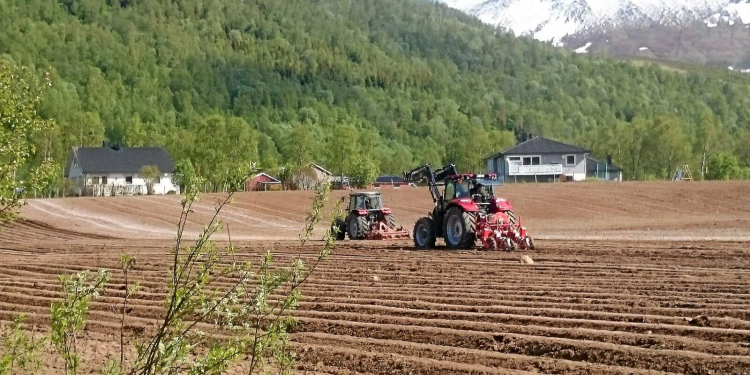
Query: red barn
[[262, 182]]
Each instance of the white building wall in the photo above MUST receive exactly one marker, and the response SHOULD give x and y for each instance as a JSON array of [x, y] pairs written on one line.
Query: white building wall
[[137, 186]]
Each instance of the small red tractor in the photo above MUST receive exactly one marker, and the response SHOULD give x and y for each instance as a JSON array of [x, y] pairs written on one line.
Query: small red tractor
[[466, 211], [368, 219]]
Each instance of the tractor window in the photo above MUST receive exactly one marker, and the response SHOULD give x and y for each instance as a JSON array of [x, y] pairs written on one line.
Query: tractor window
[[450, 190], [462, 189], [360, 202], [375, 203]]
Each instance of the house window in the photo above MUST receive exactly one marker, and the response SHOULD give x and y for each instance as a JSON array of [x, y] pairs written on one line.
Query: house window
[[570, 160], [94, 180], [514, 159], [532, 160], [104, 180], [128, 179], [157, 180]]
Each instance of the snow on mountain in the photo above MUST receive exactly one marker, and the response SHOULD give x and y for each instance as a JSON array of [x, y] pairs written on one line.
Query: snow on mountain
[[584, 49], [553, 20]]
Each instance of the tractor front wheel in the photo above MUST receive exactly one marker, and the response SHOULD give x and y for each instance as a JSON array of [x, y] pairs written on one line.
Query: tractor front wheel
[[460, 229], [424, 233], [357, 227]]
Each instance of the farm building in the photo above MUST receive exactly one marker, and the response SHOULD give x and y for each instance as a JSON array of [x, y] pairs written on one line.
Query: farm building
[[115, 170], [262, 182], [321, 173], [545, 160], [390, 182], [307, 177]]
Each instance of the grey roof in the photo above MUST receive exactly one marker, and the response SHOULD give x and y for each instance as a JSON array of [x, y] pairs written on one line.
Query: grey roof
[[389, 180], [122, 160], [539, 145]]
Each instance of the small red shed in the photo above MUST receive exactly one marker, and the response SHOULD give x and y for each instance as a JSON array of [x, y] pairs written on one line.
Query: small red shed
[[262, 182]]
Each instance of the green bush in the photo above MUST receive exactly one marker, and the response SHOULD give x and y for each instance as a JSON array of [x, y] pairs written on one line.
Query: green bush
[[723, 166]]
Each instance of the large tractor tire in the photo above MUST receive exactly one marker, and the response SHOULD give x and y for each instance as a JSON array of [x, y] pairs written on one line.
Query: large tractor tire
[[339, 230], [391, 221], [357, 227], [460, 229], [424, 233]]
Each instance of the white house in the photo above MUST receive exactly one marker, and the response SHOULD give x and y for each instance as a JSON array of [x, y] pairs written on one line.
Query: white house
[[540, 160], [115, 170]]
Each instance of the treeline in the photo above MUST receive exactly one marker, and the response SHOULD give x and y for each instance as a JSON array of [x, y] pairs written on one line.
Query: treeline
[[399, 82]]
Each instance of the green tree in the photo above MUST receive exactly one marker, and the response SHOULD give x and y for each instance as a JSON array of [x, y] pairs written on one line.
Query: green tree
[[20, 349], [343, 148], [149, 174], [633, 139], [722, 166], [69, 315], [299, 145], [19, 125], [362, 171], [666, 146], [313, 67], [706, 139], [183, 173]]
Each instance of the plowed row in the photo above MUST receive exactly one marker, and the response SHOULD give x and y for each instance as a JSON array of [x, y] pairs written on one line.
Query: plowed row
[[593, 302]]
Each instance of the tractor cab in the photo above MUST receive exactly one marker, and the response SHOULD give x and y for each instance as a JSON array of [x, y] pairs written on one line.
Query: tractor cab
[[478, 188], [473, 192], [370, 201]]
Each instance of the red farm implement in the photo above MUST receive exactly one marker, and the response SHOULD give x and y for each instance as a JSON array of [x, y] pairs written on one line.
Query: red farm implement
[[368, 219]]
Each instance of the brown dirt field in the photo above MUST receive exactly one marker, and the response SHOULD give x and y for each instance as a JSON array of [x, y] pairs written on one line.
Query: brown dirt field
[[602, 211], [621, 270]]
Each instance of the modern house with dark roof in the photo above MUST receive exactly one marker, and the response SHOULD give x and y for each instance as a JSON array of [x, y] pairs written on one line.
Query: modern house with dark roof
[[541, 160], [115, 170]]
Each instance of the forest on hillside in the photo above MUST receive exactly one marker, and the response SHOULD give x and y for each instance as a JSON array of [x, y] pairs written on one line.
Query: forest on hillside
[[399, 82]]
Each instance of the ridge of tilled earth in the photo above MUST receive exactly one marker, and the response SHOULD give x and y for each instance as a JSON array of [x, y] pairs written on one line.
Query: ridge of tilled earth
[[584, 307]]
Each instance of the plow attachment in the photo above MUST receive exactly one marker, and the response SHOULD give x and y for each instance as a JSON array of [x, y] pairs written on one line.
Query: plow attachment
[[381, 231]]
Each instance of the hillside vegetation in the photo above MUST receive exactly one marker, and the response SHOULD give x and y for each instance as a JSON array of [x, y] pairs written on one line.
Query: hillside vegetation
[[226, 82]]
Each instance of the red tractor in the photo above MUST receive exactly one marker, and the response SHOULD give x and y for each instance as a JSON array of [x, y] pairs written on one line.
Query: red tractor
[[368, 219], [466, 211]]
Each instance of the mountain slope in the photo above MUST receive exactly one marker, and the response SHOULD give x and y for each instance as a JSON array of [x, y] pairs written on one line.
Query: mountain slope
[[701, 31], [400, 82]]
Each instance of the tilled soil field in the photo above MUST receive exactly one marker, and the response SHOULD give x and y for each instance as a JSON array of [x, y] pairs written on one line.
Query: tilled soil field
[[623, 211], [674, 297]]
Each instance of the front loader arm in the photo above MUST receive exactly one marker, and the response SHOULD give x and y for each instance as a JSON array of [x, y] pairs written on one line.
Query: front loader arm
[[426, 174]]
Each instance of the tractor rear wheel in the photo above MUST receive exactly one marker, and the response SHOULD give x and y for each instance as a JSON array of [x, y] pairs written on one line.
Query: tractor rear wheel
[[357, 227], [424, 233], [460, 229], [339, 230], [391, 221]]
